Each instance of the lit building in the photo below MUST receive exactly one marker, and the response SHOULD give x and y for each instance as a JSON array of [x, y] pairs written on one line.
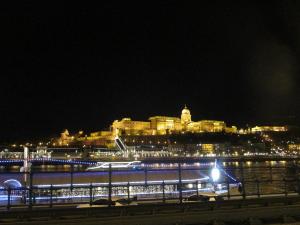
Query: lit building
[[207, 126], [165, 124], [268, 129], [65, 138], [208, 148], [155, 126], [161, 125], [129, 127], [294, 147]]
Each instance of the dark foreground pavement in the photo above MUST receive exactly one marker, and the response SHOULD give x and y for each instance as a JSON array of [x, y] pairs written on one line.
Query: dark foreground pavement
[[280, 210]]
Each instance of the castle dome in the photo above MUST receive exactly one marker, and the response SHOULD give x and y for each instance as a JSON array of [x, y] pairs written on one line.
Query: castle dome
[[186, 115], [185, 110]]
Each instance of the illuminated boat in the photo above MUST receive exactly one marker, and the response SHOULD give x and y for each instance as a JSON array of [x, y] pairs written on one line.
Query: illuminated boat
[[153, 189], [214, 185], [101, 166], [205, 185]]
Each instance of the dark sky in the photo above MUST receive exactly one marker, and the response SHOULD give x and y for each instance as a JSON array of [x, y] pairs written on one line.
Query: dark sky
[[81, 66]]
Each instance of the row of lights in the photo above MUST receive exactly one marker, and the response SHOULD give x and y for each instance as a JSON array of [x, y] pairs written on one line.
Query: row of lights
[[31, 144], [150, 142], [50, 160]]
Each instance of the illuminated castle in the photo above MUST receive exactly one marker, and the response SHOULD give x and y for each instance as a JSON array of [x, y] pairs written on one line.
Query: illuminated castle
[[156, 126], [161, 125]]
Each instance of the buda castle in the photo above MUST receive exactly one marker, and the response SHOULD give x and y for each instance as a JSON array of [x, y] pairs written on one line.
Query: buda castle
[[155, 126], [162, 125]]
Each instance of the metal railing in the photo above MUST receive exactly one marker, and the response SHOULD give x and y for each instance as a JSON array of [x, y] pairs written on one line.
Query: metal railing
[[53, 194], [165, 191]]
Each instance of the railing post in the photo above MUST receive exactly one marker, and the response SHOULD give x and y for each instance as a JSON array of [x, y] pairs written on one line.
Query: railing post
[[271, 173], [8, 198], [244, 190], [30, 189], [51, 196], [91, 194], [257, 188], [243, 180], [109, 185], [298, 185], [180, 183], [72, 177], [197, 187], [285, 187], [128, 191], [163, 190], [228, 188], [146, 176], [297, 178], [24, 195]]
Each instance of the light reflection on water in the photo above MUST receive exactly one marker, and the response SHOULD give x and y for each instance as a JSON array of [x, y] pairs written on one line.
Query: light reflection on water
[[267, 171]]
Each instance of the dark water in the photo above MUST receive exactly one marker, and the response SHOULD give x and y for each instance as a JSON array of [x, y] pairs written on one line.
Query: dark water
[[265, 177]]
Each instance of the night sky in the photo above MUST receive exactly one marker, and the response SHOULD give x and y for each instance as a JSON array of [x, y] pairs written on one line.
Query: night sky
[[80, 66]]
